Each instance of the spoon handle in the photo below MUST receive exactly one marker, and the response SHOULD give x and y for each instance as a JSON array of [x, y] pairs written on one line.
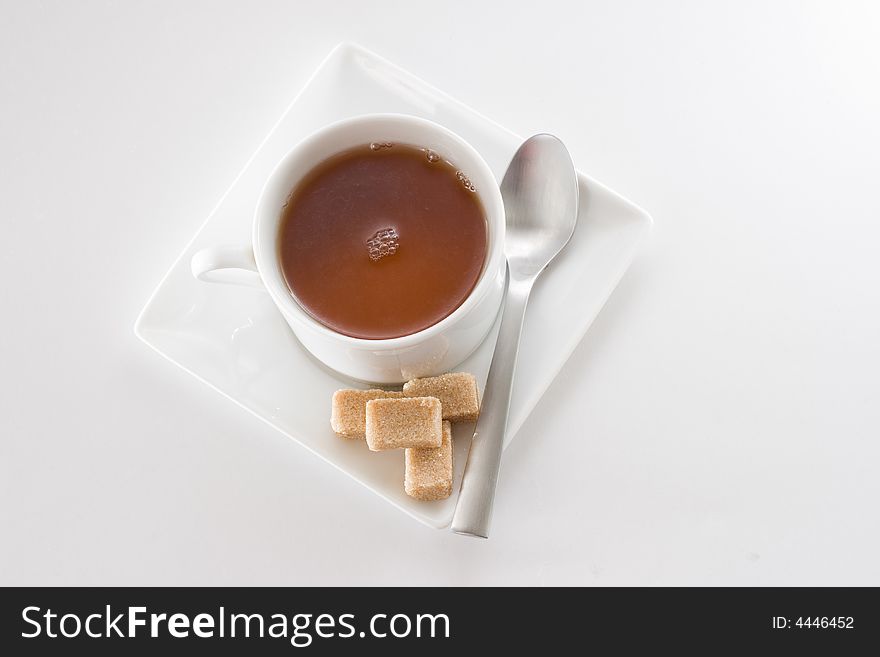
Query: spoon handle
[[474, 509]]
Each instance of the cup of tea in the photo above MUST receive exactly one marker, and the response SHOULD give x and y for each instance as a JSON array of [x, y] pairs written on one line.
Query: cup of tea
[[381, 240]]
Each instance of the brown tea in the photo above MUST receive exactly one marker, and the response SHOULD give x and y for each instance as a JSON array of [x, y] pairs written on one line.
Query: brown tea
[[382, 240]]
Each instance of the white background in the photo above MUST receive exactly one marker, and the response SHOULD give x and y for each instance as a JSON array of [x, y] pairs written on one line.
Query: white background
[[720, 423]]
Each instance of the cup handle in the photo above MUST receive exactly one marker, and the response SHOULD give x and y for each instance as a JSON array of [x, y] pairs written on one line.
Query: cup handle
[[232, 265]]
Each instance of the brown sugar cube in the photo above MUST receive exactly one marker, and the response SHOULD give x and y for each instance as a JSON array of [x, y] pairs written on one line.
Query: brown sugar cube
[[396, 423], [457, 391], [349, 415], [429, 470]]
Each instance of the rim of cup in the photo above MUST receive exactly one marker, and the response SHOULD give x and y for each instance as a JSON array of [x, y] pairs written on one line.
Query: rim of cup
[[268, 214]]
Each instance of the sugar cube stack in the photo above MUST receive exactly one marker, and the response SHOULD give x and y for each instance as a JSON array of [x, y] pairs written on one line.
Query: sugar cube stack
[[457, 392], [418, 420], [405, 422], [428, 474]]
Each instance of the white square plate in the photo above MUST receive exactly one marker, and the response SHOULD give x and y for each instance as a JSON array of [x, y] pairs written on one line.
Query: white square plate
[[234, 339]]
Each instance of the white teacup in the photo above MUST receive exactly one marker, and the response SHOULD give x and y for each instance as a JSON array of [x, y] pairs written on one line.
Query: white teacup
[[434, 350]]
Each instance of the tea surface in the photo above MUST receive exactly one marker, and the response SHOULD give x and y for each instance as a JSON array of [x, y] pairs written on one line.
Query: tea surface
[[382, 240]]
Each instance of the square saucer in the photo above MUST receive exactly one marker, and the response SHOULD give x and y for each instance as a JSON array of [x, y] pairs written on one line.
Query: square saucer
[[235, 340]]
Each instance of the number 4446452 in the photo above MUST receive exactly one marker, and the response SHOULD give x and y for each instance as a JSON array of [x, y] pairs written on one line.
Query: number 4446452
[[840, 622]]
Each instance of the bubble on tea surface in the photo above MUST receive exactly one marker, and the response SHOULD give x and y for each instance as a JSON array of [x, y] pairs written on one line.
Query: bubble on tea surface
[[380, 145], [383, 243], [431, 156], [465, 181]]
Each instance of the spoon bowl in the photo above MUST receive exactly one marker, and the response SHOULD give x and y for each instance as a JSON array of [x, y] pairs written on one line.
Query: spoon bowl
[[540, 193]]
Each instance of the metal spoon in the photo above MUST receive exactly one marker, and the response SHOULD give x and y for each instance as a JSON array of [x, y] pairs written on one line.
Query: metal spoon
[[540, 191]]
